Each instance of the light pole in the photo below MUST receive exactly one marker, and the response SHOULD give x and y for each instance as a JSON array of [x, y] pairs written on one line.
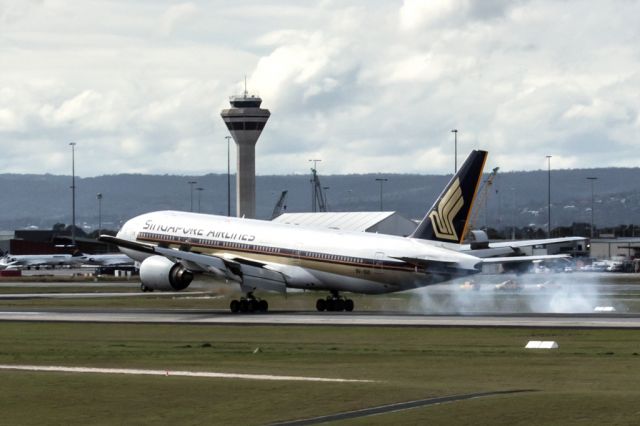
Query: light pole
[[313, 184], [199, 189], [592, 179], [228, 138], [513, 228], [549, 196], [73, 193], [191, 183], [326, 196], [455, 152], [382, 181], [99, 198]]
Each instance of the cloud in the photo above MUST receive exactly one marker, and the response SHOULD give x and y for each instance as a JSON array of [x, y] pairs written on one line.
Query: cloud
[[176, 15], [369, 86], [416, 14], [12, 11]]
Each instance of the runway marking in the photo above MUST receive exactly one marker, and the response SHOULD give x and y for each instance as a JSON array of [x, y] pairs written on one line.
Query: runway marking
[[391, 408], [208, 374]]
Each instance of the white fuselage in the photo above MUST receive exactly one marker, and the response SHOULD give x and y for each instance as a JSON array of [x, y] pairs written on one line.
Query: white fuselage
[[333, 260], [109, 259], [36, 260]]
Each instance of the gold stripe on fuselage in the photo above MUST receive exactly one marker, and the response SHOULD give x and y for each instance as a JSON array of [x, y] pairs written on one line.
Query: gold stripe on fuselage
[[348, 266]]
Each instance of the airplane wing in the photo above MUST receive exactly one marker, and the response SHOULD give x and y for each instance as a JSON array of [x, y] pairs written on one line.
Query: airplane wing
[[250, 273], [506, 248], [131, 245], [521, 259], [434, 265], [521, 264], [539, 242]]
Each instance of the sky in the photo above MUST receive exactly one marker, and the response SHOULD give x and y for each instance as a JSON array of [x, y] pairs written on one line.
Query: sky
[[370, 86]]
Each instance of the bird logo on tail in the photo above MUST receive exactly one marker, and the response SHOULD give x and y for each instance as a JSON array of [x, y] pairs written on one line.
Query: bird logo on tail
[[449, 206]]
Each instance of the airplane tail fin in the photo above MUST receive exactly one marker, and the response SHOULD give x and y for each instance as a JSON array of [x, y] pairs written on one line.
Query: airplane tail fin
[[447, 220]]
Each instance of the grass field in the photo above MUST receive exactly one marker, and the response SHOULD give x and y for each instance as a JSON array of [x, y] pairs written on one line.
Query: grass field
[[592, 379]]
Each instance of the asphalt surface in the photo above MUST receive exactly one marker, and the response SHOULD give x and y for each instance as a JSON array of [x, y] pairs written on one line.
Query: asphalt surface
[[223, 317], [362, 318], [92, 295], [390, 408]]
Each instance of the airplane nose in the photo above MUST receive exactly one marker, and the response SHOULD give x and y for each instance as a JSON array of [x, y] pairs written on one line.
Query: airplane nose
[[127, 231], [122, 232]]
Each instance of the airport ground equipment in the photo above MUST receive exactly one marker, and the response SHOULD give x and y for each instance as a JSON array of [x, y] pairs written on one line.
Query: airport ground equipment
[[482, 198], [319, 197], [280, 206]]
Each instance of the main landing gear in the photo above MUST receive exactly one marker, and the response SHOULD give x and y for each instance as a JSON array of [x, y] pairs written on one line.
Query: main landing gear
[[249, 304], [334, 303]]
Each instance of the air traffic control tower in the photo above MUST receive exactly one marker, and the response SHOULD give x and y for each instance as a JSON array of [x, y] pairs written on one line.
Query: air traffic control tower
[[245, 121]]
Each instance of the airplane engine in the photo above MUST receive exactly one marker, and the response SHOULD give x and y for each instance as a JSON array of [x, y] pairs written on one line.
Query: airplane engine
[[159, 273]]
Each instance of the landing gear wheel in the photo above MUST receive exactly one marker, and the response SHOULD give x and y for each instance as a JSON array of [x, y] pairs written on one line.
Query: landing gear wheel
[[348, 305], [321, 305], [331, 305], [334, 303], [248, 304], [145, 289]]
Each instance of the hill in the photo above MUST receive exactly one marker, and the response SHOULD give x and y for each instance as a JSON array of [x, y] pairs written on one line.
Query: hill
[[515, 197]]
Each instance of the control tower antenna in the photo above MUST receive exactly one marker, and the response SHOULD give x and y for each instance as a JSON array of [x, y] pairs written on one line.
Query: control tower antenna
[[245, 121]]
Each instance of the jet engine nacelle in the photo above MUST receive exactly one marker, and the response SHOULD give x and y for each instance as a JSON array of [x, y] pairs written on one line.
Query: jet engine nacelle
[[159, 273]]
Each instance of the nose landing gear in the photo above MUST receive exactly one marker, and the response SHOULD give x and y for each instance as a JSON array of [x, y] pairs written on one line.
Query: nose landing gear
[[334, 303]]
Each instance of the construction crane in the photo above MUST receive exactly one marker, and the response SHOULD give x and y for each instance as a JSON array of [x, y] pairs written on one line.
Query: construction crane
[[483, 193], [280, 207], [319, 200]]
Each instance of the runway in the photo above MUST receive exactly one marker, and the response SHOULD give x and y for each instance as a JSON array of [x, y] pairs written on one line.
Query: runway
[[308, 318], [89, 295]]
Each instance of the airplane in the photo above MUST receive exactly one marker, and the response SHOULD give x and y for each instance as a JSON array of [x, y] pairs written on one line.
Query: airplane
[[173, 247], [37, 261], [106, 259], [77, 259]]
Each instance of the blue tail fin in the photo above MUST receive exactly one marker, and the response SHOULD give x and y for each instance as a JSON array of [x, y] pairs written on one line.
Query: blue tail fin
[[448, 218]]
